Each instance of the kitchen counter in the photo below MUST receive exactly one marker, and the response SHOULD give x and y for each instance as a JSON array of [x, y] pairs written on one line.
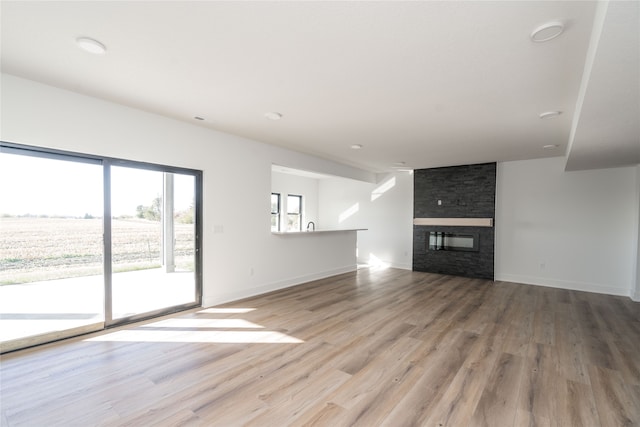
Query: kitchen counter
[[319, 231]]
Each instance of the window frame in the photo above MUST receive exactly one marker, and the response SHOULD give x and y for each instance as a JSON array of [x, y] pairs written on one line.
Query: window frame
[[277, 212], [299, 213]]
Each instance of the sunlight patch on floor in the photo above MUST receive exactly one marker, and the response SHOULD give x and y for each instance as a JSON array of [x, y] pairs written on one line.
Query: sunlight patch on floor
[[201, 330], [376, 262], [214, 337], [206, 323], [229, 310]]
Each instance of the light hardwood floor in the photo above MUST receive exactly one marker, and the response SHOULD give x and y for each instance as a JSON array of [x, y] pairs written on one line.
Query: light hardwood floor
[[387, 347]]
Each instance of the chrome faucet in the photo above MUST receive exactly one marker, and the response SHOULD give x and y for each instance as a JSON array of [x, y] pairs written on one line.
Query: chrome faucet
[[310, 224]]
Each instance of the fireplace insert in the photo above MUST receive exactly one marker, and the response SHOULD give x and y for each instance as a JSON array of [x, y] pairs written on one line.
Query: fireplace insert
[[446, 241]]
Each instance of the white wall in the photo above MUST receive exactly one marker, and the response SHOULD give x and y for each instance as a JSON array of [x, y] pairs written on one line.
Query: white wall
[[384, 208], [574, 230], [237, 239], [285, 184]]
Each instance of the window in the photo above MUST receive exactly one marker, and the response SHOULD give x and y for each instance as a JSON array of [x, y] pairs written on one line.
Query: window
[[275, 211], [294, 212]]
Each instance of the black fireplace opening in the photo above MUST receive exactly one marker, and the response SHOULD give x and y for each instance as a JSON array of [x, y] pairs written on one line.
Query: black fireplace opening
[[447, 241]]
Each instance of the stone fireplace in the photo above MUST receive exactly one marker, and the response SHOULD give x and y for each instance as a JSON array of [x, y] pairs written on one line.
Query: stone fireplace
[[453, 232]]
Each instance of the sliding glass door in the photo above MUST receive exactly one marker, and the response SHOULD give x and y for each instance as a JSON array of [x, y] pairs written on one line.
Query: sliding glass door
[[153, 240], [89, 242], [51, 251]]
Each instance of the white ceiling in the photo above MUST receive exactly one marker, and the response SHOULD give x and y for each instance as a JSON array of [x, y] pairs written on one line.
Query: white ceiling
[[432, 83]]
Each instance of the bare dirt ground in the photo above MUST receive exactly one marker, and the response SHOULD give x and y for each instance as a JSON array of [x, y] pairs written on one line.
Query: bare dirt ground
[[33, 249]]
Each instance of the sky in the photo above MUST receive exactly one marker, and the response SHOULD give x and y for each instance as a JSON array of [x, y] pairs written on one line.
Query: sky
[[37, 186]]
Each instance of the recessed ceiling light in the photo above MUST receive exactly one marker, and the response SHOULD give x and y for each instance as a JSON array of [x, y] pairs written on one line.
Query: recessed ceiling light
[[91, 45], [273, 115], [548, 31], [356, 146], [550, 146], [549, 114]]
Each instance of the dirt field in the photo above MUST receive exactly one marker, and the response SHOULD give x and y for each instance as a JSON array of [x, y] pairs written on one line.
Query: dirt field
[[33, 249]]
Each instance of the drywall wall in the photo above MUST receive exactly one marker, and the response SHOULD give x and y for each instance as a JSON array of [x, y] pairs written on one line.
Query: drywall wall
[[385, 209], [240, 255], [572, 230], [286, 184]]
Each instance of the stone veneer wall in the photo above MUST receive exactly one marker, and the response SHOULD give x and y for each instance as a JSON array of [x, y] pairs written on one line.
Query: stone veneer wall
[[465, 192]]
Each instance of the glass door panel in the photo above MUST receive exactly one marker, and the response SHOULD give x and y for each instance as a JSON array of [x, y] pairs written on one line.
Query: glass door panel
[[153, 241], [51, 248], [184, 214]]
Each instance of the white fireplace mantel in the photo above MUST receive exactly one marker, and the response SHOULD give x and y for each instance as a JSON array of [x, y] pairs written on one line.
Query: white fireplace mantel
[[459, 222]]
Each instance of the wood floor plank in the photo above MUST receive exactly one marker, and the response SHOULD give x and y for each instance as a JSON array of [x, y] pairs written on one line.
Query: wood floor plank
[[458, 403], [487, 349], [292, 402], [519, 331], [544, 327], [377, 347], [417, 405], [626, 361], [527, 419], [569, 348], [577, 405], [539, 387], [498, 403], [328, 414], [372, 345], [617, 402], [368, 380]]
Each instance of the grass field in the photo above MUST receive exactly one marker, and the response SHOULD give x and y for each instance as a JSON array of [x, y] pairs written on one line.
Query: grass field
[[35, 249]]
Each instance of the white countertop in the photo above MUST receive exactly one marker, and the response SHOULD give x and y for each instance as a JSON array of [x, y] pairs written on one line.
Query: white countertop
[[320, 231]]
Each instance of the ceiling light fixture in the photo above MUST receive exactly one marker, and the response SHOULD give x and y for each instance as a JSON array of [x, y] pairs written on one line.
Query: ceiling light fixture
[[91, 45], [550, 146], [273, 115], [546, 32], [549, 114], [356, 146]]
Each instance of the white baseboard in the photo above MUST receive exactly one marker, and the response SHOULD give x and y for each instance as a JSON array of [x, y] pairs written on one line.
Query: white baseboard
[[385, 263], [527, 280], [562, 284], [402, 266], [281, 284]]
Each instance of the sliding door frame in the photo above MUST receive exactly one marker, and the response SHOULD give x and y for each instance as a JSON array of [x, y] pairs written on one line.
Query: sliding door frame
[[197, 174], [107, 163]]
